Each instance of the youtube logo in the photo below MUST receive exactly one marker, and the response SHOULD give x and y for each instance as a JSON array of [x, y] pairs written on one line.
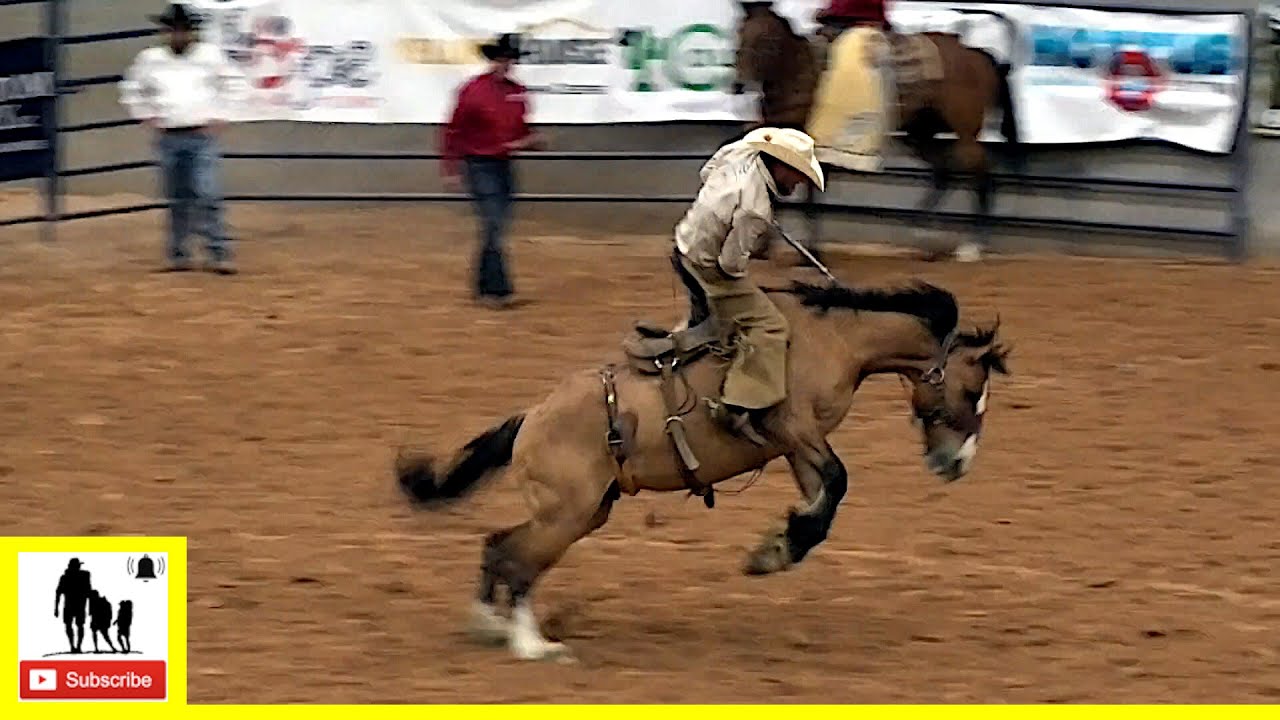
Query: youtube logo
[[42, 679]]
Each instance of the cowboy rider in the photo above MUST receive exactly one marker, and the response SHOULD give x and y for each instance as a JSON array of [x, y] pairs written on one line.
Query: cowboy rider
[[730, 222], [841, 15]]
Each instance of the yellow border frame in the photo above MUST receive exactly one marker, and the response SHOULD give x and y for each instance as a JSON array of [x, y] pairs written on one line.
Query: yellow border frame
[[177, 674]]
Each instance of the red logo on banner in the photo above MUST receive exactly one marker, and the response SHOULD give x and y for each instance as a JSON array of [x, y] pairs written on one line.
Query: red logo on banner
[[91, 680], [1134, 81]]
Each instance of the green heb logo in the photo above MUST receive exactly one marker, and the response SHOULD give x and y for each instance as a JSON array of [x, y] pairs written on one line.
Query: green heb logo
[[698, 57]]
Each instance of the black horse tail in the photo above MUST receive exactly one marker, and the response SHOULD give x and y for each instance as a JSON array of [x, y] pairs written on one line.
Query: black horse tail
[[1008, 114], [1009, 117], [475, 462]]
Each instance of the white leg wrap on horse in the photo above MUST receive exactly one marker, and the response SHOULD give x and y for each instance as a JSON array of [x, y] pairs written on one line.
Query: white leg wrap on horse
[[487, 623], [526, 641]]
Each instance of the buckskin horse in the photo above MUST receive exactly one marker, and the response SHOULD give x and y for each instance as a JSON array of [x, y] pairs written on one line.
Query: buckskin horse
[[782, 66], [642, 424]]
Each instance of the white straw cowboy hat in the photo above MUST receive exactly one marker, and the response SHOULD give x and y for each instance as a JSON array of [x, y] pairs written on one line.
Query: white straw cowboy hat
[[793, 147]]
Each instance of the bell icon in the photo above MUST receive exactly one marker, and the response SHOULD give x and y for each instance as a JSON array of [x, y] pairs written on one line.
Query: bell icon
[[146, 569]]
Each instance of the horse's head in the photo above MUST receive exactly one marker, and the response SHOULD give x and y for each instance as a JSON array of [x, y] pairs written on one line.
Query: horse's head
[[950, 400]]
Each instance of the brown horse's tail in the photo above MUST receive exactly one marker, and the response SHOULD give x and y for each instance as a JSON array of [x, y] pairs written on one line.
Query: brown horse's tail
[[476, 461]]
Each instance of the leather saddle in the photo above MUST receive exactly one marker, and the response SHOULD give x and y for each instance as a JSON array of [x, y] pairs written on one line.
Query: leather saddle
[[655, 350], [652, 346]]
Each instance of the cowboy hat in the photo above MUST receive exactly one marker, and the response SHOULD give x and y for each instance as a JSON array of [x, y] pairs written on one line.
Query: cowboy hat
[[176, 16], [507, 47], [793, 147]]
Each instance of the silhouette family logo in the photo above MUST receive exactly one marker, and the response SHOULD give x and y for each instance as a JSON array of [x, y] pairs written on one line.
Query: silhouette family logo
[[107, 635]]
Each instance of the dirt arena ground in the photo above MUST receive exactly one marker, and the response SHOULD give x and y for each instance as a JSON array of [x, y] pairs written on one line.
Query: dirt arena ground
[[1115, 542]]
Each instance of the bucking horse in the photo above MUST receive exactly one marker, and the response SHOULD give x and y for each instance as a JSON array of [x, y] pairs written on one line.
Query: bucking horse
[[640, 423]]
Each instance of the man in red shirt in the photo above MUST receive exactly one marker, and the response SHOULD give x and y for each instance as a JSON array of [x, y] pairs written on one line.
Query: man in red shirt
[[488, 125]]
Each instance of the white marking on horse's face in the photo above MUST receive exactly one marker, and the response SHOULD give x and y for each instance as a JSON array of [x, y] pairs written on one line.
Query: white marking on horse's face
[[981, 407], [967, 452]]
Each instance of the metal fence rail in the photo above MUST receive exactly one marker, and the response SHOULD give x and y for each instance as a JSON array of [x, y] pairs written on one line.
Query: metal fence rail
[[1234, 194]]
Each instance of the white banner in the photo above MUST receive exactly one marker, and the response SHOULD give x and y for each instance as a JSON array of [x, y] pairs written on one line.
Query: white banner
[[1079, 76]]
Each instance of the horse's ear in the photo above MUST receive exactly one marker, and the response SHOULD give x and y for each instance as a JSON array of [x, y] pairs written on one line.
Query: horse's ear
[[996, 358]]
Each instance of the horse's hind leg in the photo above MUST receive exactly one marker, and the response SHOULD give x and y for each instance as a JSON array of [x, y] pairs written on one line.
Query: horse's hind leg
[[563, 511], [823, 481], [972, 158], [936, 154]]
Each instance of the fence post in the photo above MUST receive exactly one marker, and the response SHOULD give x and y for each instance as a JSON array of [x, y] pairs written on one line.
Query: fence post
[[54, 29], [1242, 165]]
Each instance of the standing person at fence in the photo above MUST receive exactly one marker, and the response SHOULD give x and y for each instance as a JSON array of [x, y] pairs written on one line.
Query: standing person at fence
[[488, 124], [730, 222], [183, 91]]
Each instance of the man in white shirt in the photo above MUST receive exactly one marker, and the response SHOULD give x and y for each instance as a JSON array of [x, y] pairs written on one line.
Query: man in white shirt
[[730, 222], [184, 91]]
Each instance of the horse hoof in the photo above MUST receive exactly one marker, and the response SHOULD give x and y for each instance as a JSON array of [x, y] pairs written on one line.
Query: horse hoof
[[772, 555], [968, 252], [488, 627], [553, 651]]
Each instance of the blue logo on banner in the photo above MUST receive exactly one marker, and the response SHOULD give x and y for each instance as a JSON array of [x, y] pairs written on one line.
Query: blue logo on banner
[[1184, 53], [26, 91]]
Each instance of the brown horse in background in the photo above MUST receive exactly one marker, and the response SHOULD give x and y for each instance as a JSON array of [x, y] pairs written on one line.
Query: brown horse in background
[[600, 435], [785, 67]]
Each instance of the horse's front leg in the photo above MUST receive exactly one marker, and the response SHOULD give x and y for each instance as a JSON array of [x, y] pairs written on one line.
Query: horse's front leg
[[936, 154], [823, 480]]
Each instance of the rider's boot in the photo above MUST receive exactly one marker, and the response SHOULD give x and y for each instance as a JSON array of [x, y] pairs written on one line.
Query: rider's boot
[[737, 420]]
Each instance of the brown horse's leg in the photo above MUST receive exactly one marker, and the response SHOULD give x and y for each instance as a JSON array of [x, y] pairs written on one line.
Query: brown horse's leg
[[563, 512], [921, 131], [972, 157], [823, 481]]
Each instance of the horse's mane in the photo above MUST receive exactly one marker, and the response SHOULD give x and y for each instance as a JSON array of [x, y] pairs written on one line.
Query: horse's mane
[[935, 307]]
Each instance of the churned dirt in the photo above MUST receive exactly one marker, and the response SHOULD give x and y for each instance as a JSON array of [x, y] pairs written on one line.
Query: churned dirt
[[1116, 540]]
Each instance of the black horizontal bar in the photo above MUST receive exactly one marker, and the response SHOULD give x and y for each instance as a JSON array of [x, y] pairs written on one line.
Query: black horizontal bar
[[90, 81], [102, 125], [1019, 221], [5, 3], [125, 210], [1081, 183], [849, 209], [1103, 7], [393, 155], [6, 222], [107, 36], [1084, 183], [103, 169], [451, 197]]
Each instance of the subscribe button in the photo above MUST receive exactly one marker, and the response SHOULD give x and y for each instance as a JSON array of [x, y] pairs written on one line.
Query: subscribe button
[[91, 680]]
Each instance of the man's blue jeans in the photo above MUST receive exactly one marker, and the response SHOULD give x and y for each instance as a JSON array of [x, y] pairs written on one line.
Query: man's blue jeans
[[190, 164], [491, 183]]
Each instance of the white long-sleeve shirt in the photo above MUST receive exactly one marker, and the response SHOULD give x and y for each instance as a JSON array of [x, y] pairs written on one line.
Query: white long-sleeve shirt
[[732, 218], [190, 90]]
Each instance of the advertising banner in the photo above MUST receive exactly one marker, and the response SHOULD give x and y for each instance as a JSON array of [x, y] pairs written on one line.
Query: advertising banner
[[1080, 76]]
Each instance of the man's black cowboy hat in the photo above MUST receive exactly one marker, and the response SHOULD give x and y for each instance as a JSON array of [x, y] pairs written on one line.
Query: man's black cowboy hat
[[507, 47], [177, 16]]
